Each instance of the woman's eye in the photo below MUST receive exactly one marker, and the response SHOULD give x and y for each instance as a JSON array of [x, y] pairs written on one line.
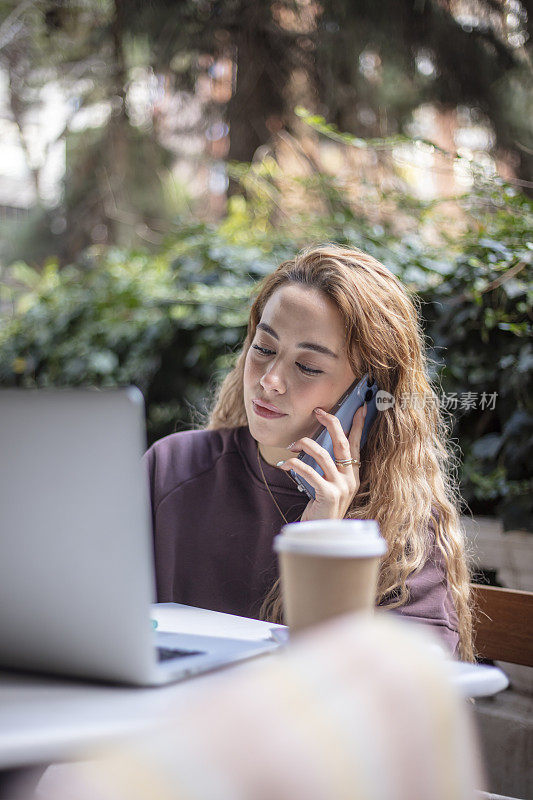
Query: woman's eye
[[306, 370]]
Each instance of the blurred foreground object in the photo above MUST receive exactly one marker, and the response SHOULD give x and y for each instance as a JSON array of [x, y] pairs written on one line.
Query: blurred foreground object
[[355, 709]]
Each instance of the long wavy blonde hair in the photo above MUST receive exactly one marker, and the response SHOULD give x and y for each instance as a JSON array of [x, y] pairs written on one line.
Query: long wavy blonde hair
[[408, 474]]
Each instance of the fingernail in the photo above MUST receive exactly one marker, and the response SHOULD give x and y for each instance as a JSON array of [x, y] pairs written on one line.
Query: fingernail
[[319, 411], [293, 448], [280, 463], [290, 445]]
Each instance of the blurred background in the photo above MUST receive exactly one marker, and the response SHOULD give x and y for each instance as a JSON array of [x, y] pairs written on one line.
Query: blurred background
[[158, 158]]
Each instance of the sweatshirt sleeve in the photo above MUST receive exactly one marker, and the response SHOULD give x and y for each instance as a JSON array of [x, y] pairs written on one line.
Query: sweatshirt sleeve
[[430, 599], [148, 461]]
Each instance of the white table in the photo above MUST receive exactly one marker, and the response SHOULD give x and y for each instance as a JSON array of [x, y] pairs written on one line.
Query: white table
[[43, 720]]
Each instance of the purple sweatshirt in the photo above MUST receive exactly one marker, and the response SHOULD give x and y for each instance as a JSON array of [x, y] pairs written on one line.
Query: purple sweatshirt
[[214, 522]]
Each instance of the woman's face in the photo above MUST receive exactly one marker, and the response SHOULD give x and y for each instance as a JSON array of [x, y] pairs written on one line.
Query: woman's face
[[297, 361]]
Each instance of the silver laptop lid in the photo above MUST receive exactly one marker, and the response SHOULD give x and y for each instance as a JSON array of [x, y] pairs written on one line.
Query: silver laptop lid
[[75, 551]]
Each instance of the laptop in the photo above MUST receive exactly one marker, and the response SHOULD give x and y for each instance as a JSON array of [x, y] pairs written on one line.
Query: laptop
[[76, 554]]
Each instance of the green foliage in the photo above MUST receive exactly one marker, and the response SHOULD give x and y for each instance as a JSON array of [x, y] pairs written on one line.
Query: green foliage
[[167, 323], [479, 318]]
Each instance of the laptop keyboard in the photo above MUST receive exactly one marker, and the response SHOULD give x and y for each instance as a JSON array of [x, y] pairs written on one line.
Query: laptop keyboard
[[166, 653]]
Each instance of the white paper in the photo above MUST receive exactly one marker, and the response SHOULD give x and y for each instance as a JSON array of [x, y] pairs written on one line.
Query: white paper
[[179, 618]]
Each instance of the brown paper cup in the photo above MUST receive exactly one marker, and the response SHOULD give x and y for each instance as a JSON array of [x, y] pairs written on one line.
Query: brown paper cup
[[328, 567]]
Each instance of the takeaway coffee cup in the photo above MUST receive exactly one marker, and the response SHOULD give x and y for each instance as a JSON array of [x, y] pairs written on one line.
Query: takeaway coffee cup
[[328, 567]]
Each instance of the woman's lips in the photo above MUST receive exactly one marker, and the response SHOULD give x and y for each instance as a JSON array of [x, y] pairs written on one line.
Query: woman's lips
[[261, 411]]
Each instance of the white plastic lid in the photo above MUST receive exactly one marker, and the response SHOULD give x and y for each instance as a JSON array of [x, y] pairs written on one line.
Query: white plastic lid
[[339, 538]]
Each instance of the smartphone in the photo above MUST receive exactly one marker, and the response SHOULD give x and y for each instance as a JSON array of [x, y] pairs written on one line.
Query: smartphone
[[363, 391]]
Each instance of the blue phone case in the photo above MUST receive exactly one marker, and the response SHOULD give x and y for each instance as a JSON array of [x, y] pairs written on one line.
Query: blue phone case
[[345, 409]]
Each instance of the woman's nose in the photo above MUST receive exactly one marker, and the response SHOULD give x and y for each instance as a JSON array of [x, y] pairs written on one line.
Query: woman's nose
[[273, 380]]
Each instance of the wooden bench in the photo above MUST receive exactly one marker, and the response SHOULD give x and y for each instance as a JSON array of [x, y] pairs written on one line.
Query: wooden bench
[[503, 626], [503, 631]]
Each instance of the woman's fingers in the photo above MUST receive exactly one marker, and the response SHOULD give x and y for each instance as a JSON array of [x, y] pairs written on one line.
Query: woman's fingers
[[354, 437], [320, 454], [336, 489], [319, 484], [344, 448]]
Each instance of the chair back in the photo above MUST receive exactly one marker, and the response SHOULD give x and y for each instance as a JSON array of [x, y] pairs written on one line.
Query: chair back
[[503, 628]]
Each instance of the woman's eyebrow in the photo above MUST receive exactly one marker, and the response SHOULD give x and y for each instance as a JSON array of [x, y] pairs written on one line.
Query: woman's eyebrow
[[319, 348]]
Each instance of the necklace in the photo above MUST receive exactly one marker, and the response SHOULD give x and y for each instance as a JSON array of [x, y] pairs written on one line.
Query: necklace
[[267, 486]]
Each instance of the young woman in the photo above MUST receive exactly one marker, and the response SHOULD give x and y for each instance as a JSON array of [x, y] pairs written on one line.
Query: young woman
[[221, 494]]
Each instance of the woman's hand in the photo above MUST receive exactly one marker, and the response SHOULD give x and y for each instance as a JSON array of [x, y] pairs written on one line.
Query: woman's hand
[[334, 491]]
